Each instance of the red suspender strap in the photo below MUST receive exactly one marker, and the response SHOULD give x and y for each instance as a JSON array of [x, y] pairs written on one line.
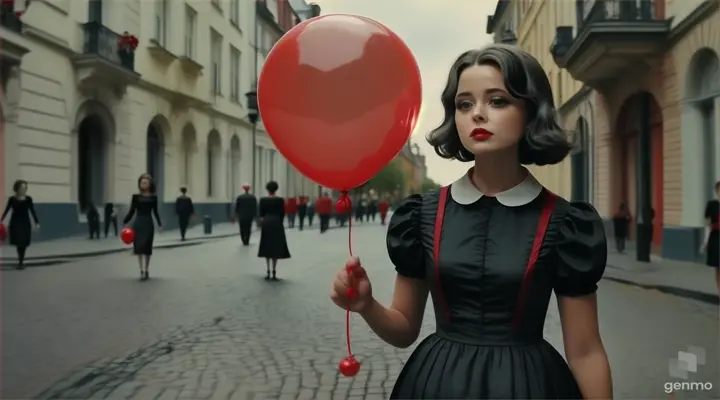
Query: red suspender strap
[[437, 237], [550, 200]]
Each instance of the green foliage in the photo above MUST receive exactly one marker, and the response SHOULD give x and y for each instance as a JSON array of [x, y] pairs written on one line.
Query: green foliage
[[428, 185], [388, 180]]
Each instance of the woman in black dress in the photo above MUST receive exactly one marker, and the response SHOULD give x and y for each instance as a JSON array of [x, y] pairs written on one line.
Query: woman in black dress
[[491, 248], [711, 244], [273, 244], [20, 229], [144, 206]]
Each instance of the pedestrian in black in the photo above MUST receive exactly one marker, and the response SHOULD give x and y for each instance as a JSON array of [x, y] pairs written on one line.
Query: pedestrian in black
[[273, 243], [246, 210], [372, 209], [93, 221], [184, 209], [310, 212], [302, 211], [143, 206], [110, 218], [711, 244], [621, 222], [20, 228]]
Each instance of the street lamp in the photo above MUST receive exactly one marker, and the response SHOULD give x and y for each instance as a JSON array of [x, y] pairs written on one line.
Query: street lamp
[[253, 116]]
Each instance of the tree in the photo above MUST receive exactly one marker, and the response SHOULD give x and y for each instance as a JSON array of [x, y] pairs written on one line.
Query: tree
[[388, 180], [429, 184]]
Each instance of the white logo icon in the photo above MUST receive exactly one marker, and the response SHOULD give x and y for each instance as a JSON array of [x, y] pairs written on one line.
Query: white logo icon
[[686, 362]]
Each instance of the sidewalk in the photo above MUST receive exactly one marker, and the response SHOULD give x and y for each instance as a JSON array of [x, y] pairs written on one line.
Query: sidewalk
[[63, 250], [684, 279]]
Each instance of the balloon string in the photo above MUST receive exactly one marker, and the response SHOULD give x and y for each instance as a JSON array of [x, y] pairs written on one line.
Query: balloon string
[[348, 204]]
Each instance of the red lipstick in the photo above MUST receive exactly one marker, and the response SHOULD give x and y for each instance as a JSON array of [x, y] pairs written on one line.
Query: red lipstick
[[481, 134]]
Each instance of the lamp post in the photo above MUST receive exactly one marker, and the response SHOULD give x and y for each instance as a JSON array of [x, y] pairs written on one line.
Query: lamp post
[[253, 116]]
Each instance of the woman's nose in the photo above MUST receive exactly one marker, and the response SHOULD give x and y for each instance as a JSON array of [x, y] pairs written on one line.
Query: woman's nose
[[479, 115]]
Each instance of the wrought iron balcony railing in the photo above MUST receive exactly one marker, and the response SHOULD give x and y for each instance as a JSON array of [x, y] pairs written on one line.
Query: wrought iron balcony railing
[[8, 18], [104, 43], [590, 11]]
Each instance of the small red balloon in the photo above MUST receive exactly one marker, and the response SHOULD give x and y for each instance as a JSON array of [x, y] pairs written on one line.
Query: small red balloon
[[342, 206], [3, 232], [349, 366], [339, 96], [127, 235]]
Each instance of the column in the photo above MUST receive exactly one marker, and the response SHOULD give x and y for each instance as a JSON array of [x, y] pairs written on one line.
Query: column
[[11, 130], [643, 181]]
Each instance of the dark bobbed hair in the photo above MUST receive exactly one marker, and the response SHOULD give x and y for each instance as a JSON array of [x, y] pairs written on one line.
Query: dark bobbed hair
[[717, 185], [18, 183], [150, 179], [272, 187], [544, 142]]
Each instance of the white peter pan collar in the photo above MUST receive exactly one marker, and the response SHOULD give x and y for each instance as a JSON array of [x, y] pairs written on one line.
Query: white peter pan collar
[[464, 192]]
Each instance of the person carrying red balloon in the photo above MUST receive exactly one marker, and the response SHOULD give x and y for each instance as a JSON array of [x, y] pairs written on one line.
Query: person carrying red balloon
[[384, 206], [291, 210], [491, 297], [324, 209], [143, 206]]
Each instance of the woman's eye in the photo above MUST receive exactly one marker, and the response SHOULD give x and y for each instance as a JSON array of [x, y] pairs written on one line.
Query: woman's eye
[[498, 102], [465, 105]]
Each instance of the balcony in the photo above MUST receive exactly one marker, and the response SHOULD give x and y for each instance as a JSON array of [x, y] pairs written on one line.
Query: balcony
[[613, 37], [103, 62], [13, 44]]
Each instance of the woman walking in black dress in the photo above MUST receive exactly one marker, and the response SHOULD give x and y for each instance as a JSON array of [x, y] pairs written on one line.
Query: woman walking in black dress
[[20, 229], [711, 244], [490, 249], [273, 244], [144, 206]]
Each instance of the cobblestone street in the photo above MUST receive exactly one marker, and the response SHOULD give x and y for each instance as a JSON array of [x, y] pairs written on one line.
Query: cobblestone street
[[207, 326]]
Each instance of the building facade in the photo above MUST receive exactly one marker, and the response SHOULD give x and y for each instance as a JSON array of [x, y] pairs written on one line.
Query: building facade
[[83, 118], [531, 26], [412, 163], [274, 18], [651, 101]]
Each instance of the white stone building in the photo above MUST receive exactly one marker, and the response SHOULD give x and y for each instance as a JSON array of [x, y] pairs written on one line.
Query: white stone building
[[81, 120]]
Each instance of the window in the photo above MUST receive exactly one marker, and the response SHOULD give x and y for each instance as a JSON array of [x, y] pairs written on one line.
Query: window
[[190, 31], [235, 12], [272, 6], [216, 62], [161, 21], [234, 74]]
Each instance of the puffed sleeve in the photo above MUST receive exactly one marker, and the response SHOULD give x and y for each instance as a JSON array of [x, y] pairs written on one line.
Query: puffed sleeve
[[404, 243], [581, 251]]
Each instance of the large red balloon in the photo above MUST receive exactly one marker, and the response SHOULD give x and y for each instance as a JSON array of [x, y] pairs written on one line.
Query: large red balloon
[[339, 96]]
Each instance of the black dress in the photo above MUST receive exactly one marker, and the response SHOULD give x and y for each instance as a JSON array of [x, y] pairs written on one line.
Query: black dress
[[498, 264], [273, 243], [712, 213], [145, 206], [20, 228]]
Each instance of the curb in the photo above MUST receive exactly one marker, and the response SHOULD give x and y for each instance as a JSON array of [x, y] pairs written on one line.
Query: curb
[[702, 297]]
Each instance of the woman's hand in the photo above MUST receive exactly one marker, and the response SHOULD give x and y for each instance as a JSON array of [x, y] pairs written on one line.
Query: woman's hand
[[351, 287]]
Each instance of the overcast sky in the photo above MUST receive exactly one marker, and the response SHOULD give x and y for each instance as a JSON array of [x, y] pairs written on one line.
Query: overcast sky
[[436, 31]]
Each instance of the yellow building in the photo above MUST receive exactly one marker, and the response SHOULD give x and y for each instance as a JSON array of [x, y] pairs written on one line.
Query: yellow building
[[412, 164], [531, 26]]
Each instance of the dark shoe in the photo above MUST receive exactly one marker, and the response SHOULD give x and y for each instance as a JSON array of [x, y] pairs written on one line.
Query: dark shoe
[[267, 277], [147, 275], [274, 277]]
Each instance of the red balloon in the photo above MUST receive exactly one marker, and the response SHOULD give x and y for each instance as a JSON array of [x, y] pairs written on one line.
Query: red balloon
[[349, 366], [3, 232], [127, 235], [339, 96], [342, 206]]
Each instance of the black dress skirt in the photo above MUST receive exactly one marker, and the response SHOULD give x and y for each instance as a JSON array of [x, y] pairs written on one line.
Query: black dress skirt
[[712, 214], [492, 268], [273, 243], [20, 227], [143, 207]]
